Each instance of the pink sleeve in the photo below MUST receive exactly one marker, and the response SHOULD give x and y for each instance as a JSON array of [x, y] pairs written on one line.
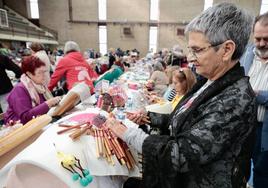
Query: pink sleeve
[[93, 75]]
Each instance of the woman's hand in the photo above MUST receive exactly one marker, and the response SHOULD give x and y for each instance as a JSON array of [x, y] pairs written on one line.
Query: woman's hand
[[53, 101], [116, 127], [152, 97], [139, 118], [150, 85]]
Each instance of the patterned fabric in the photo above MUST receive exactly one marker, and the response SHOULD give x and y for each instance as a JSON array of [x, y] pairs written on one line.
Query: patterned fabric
[[194, 96], [35, 89], [211, 141], [172, 95]]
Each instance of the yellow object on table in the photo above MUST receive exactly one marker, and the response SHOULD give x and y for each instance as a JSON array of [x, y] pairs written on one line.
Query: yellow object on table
[[19, 135]]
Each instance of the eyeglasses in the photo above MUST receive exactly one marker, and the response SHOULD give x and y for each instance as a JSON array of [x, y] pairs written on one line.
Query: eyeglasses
[[41, 72], [197, 52]]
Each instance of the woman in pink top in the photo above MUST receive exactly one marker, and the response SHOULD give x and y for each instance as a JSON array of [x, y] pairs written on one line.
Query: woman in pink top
[[30, 97]]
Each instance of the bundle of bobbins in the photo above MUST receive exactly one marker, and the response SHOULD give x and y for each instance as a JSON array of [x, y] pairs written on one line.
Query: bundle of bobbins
[[76, 130], [107, 144]]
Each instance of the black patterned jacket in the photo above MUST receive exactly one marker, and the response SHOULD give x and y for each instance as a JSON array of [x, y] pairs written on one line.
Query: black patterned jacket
[[212, 140]]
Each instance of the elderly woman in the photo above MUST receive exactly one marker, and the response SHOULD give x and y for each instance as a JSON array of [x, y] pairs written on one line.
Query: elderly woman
[[74, 68], [38, 50], [212, 127], [158, 79], [30, 97]]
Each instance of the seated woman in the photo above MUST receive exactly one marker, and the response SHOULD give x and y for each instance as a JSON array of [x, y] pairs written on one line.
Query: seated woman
[[30, 97], [74, 68], [159, 79]]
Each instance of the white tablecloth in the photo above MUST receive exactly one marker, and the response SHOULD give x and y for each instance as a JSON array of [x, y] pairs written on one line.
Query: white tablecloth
[[42, 154]]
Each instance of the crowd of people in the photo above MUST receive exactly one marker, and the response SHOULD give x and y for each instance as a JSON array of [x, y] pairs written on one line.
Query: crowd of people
[[218, 92]]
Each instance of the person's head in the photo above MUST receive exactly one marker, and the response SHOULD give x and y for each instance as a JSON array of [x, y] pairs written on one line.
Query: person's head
[[35, 69], [260, 33], [164, 52], [183, 80], [158, 66], [169, 71], [217, 38], [133, 55], [26, 52], [177, 51], [119, 64], [86, 55], [35, 47], [71, 46], [111, 51]]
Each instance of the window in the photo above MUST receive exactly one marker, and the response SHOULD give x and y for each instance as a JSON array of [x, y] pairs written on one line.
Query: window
[[154, 15], [264, 6], [153, 39], [3, 18], [103, 39], [34, 9], [102, 9], [102, 28], [180, 31], [207, 4], [154, 10], [127, 31]]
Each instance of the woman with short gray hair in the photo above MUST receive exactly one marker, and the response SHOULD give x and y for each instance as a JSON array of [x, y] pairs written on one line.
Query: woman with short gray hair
[[71, 46], [159, 79], [221, 23], [212, 127]]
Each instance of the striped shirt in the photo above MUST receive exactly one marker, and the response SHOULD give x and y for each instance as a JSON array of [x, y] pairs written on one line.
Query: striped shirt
[[171, 95], [258, 74]]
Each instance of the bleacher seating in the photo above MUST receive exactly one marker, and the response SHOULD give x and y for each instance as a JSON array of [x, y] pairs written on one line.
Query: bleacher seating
[[19, 26]]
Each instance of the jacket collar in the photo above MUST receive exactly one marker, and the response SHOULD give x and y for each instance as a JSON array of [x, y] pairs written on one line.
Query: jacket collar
[[230, 77]]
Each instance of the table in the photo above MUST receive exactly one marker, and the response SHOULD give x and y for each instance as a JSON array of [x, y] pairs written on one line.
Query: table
[[46, 160]]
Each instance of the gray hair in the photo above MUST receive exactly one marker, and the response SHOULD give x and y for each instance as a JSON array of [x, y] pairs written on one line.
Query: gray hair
[[262, 19], [222, 22], [71, 46], [158, 66]]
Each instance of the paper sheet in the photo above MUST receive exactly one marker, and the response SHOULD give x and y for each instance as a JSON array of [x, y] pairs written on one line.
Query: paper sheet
[[81, 89], [165, 108]]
